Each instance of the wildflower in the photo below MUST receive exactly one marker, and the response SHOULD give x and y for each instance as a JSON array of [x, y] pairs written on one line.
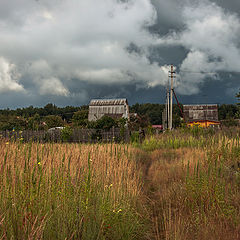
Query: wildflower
[[7, 143], [120, 210], [39, 163], [106, 186]]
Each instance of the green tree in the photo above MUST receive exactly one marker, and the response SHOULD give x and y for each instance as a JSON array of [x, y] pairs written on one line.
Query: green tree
[[138, 121], [227, 111], [54, 121], [34, 122], [105, 123], [80, 118], [12, 123], [66, 133], [50, 109], [238, 97], [238, 112], [152, 111]]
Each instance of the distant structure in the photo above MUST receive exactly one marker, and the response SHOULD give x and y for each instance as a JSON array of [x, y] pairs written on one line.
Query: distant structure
[[201, 115], [115, 108]]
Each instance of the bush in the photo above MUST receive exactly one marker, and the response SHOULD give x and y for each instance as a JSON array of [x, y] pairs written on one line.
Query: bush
[[105, 123], [66, 133]]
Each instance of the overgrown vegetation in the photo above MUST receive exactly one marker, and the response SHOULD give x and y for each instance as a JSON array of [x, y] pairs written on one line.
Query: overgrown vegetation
[[69, 191], [183, 184], [194, 179]]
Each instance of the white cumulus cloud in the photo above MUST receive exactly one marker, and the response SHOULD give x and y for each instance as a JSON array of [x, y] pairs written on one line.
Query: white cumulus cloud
[[211, 34], [53, 86], [84, 39], [53, 42], [8, 77]]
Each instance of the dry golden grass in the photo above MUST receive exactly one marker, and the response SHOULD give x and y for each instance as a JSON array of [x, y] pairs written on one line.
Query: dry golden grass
[[178, 185], [194, 192], [111, 164], [86, 191]]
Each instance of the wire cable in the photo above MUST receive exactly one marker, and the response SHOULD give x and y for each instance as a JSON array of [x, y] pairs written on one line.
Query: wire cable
[[202, 72]]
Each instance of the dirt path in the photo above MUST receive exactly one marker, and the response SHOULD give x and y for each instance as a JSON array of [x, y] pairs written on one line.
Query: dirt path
[[162, 174], [151, 198]]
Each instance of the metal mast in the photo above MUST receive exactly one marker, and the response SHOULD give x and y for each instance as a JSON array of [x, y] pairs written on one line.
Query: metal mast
[[171, 99], [167, 109]]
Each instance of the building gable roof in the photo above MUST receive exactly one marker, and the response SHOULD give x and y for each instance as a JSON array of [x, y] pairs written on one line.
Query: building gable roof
[[105, 102]]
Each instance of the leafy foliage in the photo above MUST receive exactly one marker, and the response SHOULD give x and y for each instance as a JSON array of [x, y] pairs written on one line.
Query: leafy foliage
[[105, 123], [137, 122], [12, 122], [80, 118], [153, 112], [54, 121], [238, 113], [50, 109], [227, 111], [66, 133], [238, 97]]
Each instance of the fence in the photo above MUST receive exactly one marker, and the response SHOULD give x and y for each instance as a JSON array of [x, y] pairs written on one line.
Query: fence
[[77, 135]]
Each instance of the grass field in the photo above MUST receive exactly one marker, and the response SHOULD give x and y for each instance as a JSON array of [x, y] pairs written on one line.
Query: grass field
[[183, 184], [194, 179]]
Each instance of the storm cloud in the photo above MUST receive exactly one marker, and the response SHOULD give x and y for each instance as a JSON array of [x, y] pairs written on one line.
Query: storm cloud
[[67, 52]]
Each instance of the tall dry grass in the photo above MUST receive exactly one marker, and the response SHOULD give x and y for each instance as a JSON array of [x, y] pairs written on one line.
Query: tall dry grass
[[180, 185], [194, 184], [69, 191]]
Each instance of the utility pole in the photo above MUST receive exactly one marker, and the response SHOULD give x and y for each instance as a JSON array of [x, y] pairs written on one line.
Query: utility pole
[[171, 99], [168, 108]]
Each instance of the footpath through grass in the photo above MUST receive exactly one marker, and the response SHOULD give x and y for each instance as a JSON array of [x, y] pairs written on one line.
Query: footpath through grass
[[192, 181], [183, 184]]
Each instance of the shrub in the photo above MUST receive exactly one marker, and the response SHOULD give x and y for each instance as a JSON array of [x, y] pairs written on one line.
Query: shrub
[[66, 133]]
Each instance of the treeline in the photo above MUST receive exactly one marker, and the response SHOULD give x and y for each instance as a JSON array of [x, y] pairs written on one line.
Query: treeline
[[154, 112], [66, 113], [35, 118]]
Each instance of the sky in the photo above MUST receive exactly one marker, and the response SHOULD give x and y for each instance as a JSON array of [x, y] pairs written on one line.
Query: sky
[[67, 52]]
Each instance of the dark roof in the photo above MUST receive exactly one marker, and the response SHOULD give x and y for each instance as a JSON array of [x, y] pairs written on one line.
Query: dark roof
[[105, 102]]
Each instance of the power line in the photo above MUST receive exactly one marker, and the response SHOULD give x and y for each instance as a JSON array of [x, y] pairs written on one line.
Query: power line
[[202, 72], [197, 72]]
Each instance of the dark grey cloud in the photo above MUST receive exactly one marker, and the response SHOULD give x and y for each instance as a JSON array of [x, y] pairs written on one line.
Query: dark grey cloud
[[168, 16], [70, 51], [230, 5], [210, 39]]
